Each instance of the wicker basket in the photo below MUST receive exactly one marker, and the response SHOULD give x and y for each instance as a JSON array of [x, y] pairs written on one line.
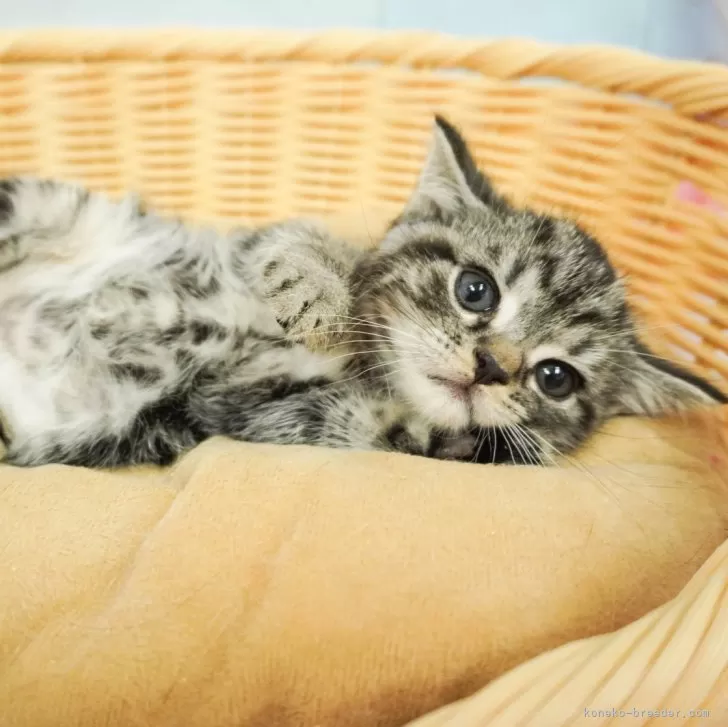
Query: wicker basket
[[259, 126]]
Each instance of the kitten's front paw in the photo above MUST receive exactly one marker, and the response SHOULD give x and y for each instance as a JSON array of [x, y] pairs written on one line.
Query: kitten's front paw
[[414, 436], [308, 309], [309, 301]]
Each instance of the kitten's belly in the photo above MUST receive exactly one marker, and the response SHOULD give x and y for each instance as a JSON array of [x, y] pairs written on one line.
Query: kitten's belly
[[57, 381]]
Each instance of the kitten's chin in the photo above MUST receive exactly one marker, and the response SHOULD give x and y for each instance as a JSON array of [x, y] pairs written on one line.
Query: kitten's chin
[[435, 400]]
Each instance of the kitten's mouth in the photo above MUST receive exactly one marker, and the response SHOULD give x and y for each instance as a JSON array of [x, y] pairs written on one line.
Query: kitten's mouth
[[460, 390]]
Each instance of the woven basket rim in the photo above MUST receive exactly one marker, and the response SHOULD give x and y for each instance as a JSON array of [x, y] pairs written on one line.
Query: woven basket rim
[[690, 87]]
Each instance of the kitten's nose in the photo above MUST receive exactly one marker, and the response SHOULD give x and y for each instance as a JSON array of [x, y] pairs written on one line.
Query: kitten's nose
[[488, 370], [497, 361]]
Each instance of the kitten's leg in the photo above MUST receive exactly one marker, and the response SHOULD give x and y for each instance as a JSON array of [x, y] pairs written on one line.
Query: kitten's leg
[[289, 395], [316, 411], [157, 435], [303, 272]]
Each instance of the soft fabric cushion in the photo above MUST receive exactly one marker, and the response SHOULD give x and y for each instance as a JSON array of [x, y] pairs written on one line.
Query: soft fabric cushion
[[670, 666], [273, 586]]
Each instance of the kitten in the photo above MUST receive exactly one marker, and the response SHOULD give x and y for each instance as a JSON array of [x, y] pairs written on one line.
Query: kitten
[[127, 338]]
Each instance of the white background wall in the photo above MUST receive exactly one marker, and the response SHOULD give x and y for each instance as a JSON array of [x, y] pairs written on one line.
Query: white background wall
[[683, 28]]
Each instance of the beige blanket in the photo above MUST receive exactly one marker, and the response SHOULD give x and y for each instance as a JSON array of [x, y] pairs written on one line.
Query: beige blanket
[[670, 667], [266, 586]]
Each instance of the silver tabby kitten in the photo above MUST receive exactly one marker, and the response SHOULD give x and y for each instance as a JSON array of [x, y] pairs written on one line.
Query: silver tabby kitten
[[474, 331]]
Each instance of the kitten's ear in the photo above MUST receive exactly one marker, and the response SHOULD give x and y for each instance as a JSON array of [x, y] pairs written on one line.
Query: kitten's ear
[[450, 180], [660, 387]]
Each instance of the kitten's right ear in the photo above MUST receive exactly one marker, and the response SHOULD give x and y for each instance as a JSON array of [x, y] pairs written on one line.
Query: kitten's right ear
[[450, 180], [659, 387]]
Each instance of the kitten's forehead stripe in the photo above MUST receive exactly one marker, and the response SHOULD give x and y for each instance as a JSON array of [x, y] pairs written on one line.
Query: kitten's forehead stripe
[[582, 347], [517, 269], [545, 230], [429, 280], [586, 317], [547, 266], [433, 249]]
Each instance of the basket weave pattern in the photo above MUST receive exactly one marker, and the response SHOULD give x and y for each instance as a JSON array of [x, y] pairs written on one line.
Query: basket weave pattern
[[258, 126]]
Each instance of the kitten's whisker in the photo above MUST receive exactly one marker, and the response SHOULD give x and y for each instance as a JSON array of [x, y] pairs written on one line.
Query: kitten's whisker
[[338, 318], [414, 348], [639, 475], [335, 328], [495, 445], [643, 375], [528, 440], [365, 323], [479, 442], [428, 330], [521, 442], [351, 354], [578, 465], [376, 336], [507, 437], [526, 447], [429, 333], [540, 451], [378, 341], [360, 374]]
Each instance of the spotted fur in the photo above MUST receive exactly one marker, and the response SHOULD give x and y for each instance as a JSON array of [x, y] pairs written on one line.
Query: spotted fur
[[128, 338]]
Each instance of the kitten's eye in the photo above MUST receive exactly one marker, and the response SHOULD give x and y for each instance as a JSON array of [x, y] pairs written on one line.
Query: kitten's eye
[[557, 379], [476, 292]]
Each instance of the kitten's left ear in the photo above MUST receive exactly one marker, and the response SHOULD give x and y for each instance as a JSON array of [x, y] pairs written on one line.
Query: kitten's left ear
[[450, 180], [660, 387]]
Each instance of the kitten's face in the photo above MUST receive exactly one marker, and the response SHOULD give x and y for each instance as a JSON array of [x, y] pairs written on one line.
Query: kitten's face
[[484, 316]]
